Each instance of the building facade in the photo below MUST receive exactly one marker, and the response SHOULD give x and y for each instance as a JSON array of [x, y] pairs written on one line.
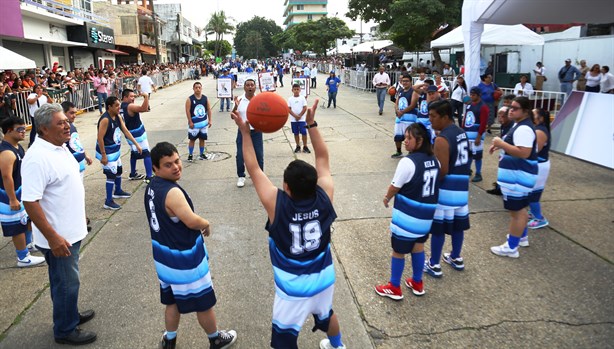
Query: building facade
[[299, 11], [180, 34]]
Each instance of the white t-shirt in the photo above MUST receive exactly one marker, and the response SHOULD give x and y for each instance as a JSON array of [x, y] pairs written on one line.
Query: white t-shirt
[[242, 108], [34, 107], [146, 83], [458, 92], [524, 136], [404, 173], [527, 90], [314, 73], [297, 104], [51, 176]]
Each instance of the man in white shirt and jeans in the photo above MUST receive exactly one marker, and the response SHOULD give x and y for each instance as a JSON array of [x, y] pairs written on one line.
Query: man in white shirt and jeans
[[381, 81], [146, 85], [54, 198]]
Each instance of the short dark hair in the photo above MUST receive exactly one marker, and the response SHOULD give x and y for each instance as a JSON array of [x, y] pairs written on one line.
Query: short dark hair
[[442, 107], [406, 76], [544, 114], [110, 101], [606, 68], [126, 92], [509, 97], [196, 83], [524, 102], [419, 131], [161, 150], [296, 85], [10, 122], [302, 179], [67, 105], [429, 82], [144, 72]]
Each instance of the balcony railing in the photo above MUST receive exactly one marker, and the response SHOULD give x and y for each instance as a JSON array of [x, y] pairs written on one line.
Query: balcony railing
[[145, 40], [67, 11]]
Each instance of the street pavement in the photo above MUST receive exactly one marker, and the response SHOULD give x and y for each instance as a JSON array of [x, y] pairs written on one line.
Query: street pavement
[[558, 294]]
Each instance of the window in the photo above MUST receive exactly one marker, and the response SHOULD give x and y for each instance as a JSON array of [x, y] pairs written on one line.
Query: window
[[300, 7], [128, 24], [309, 17]]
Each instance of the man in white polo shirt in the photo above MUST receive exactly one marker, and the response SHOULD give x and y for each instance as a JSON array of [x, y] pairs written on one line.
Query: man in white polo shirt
[[146, 85], [54, 198]]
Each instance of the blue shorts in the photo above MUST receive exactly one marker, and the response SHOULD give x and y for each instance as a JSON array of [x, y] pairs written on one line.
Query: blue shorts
[[448, 220], [299, 127], [188, 303], [198, 133], [405, 246]]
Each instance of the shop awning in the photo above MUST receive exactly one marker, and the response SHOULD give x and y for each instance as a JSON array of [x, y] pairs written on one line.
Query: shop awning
[[12, 60], [117, 52]]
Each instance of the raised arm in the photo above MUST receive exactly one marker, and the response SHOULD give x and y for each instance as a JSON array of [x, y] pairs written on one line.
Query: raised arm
[[134, 108], [325, 178]]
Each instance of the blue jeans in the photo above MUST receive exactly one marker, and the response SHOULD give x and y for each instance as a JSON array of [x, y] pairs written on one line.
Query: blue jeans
[[332, 97], [258, 148], [381, 98], [64, 285], [566, 87], [222, 103], [102, 97]]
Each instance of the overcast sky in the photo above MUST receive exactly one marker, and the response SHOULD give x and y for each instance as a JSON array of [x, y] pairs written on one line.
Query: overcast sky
[[199, 11]]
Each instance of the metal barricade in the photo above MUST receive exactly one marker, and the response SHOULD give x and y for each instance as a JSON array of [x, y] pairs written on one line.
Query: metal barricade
[[548, 100], [22, 107], [83, 96]]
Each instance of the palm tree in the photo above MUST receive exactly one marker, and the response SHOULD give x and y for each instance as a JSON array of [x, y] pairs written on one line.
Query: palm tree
[[220, 25]]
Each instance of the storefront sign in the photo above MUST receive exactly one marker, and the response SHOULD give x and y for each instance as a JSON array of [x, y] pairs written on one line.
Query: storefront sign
[[93, 35]]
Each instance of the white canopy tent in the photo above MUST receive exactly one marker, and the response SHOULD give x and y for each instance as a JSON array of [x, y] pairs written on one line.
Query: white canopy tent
[[12, 60], [476, 13], [494, 34], [372, 45]]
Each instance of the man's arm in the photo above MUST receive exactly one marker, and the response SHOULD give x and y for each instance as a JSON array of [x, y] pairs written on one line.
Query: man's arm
[[58, 245], [133, 108], [7, 159], [102, 128], [267, 192], [176, 205], [325, 178], [128, 135]]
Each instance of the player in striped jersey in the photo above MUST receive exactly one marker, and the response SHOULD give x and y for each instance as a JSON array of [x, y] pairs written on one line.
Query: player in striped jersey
[[179, 252], [517, 173], [405, 109], [452, 213], [132, 118], [474, 124], [415, 190], [541, 119], [299, 223]]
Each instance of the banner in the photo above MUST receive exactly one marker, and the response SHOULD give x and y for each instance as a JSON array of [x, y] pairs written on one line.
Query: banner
[[304, 83], [224, 88], [267, 82], [241, 77]]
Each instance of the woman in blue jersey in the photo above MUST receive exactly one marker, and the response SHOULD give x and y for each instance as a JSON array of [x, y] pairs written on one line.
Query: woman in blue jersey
[[415, 190], [452, 149], [517, 173], [541, 119], [332, 86]]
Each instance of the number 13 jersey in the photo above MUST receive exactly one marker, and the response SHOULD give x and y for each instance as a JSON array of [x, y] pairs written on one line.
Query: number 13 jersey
[[299, 245]]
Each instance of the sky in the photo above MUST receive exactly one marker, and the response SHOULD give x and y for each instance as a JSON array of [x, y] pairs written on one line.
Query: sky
[[199, 11]]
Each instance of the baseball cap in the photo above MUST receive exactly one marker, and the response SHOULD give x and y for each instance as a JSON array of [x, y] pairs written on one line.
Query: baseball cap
[[475, 90], [431, 88], [568, 60], [441, 88], [332, 72]]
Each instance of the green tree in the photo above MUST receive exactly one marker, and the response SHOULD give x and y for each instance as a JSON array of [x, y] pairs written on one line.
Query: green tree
[[411, 23], [220, 25], [262, 31], [224, 47], [285, 40], [317, 36]]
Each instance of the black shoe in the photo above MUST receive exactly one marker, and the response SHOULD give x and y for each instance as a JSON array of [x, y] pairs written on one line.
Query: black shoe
[[494, 191], [224, 340], [168, 343], [86, 316], [306, 150], [297, 149], [78, 337]]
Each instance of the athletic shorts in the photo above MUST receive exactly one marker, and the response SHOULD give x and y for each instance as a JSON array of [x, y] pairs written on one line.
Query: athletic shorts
[[448, 220], [113, 169], [476, 150], [403, 246], [198, 133], [14, 222], [187, 302], [399, 130], [299, 127], [289, 315], [543, 170], [144, 149], [513, 200]]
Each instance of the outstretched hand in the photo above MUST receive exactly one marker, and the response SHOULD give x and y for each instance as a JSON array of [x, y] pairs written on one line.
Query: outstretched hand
[[311, 112], [242, 124]]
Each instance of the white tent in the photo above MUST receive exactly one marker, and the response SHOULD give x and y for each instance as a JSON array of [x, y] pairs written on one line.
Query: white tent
[[493, 34], [372, 45], [12, 60], [476, 13]]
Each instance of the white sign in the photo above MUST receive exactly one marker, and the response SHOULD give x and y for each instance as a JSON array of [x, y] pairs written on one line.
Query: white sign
[[224, 88], [241, 77], [267, 82], [304, 83]]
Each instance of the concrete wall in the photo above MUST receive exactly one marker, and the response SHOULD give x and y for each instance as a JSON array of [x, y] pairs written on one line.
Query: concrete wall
[[114, 14]]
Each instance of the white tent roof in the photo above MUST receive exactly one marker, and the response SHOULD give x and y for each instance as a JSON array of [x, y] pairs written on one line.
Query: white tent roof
[[12, 60], [372, 45], [494, 34]]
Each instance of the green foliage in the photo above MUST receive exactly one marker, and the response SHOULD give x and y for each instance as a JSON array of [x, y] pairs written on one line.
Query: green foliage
[[254, 38], [317, 36], [220, 25], [224, 47], [411, 23]]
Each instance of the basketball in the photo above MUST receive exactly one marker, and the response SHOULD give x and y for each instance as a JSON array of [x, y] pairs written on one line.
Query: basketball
[[267, 112], [497, 94], [392, 91]]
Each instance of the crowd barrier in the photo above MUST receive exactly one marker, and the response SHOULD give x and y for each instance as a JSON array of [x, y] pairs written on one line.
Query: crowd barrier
[[83, 95]]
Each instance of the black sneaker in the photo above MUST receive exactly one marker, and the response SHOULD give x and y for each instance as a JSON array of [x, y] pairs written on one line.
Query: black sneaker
[[166, 343], [202, 157], [306, 150], [495, 191], [297, 149], [225, 339], [136, 176], [190, 158]]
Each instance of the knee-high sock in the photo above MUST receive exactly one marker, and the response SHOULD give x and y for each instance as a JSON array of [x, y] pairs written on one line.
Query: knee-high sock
[[417, 266], [148, 166], [132, 164], [202, 150], [437, 241], [21, 254], [335, 341], [478, 166], [525, 233], [109, 187], [396, 270], [536, 210], [118, 184], [190, 150], [457, 243], [513, 241]]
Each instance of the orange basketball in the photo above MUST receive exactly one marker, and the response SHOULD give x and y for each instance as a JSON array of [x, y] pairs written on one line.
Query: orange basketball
[[497, 94], [392, 91], [267, 112]]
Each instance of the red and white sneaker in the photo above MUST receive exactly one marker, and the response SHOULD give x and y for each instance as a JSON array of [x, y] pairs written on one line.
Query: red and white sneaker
[[416, 287], [389, 291]]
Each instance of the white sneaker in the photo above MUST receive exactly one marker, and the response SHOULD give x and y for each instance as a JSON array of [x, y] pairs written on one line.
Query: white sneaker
[[524, 241], [30, 261], [31, 247], [505, 251], [325, 344], [241, 182]]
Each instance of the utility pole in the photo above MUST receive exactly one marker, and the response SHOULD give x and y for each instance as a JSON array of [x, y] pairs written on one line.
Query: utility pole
[[155, 24]]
